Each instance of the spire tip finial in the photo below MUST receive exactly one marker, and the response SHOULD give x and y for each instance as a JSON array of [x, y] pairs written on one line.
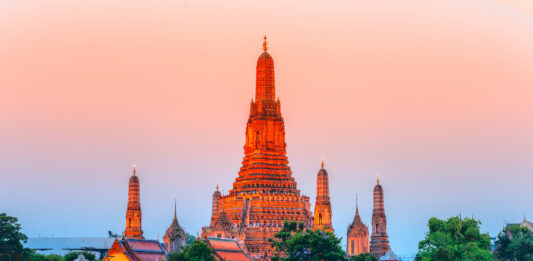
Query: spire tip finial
[[217, 186], [175, 209], [322, 163], [377, 177], [356, 204], [265, 44], [134, 166]]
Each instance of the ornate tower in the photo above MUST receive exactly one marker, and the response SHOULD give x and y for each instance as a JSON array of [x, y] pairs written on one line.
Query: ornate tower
[[322, 204], [214, 209], [264, 194], [357, 235], [379, 241], [175, 235], [133, 212]]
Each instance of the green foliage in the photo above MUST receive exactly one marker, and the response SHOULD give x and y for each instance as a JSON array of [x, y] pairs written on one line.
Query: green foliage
[[363, 257], [189, 239], [454, 239], [11, 239], [515, 243], [196, 251], [41, 257], [73, 255], [293, 243]]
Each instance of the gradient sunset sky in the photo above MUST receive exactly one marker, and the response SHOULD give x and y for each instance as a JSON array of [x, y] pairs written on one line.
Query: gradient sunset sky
[[436, 96]]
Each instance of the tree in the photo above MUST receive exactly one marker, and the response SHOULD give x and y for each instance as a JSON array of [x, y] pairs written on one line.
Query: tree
[[454, 239], [363, 257], [196, 251], [73, 255], [189, 239], [514, 243], [293, 242], [11, 238], [41, 257]]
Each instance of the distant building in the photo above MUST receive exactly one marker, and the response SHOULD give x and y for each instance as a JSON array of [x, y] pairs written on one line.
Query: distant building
[[357, 235], [80, 258], [64, 245], [379, 240], [527, 224], [322, 203], [174, 237], [389, 256]]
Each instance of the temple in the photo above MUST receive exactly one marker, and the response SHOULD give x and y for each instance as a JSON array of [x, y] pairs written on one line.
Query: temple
[[357, 235], [133, 246], [379, 240], [323, 204], [174, 237], [131, 249], [133, 211], [264, 194]]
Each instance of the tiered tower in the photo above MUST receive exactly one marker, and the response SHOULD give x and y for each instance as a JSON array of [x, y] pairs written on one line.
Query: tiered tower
[[323, 204], [175, 235], [379, 241], [357, 235], [214, 208], [133, 212], [264, 194]]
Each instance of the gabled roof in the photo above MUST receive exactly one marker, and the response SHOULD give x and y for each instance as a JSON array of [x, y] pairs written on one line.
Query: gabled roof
[[389, 256], [228, 249], [139, 249], [527, 224]]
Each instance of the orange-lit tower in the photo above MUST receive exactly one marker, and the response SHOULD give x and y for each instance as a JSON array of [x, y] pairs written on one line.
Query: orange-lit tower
[[133, 212], [379, 241], [264, 194], [322, 204], [357, 235]]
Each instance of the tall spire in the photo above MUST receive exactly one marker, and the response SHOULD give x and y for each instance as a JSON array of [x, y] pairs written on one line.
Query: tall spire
[[357, 234], [323, 204], [134, 166], [379, 240], [133, 211], [322, 163], [175, 235], [215, 204], [264, 84]]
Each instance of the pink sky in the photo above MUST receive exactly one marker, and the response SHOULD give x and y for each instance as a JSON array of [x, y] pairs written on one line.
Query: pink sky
[[436, 96]]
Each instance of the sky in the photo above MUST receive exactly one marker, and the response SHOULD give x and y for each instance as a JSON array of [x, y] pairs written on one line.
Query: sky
[[435, 96]]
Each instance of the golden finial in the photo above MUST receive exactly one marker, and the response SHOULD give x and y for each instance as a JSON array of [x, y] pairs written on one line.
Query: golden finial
[[378, 177], [134, 166], [217, 186], [265, 44], [322, 163]]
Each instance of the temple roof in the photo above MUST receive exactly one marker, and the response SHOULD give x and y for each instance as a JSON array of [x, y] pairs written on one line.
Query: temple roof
[[223, 221], [228, 249], [174, 230], [139, 249], [357, 223], [389, 256]]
